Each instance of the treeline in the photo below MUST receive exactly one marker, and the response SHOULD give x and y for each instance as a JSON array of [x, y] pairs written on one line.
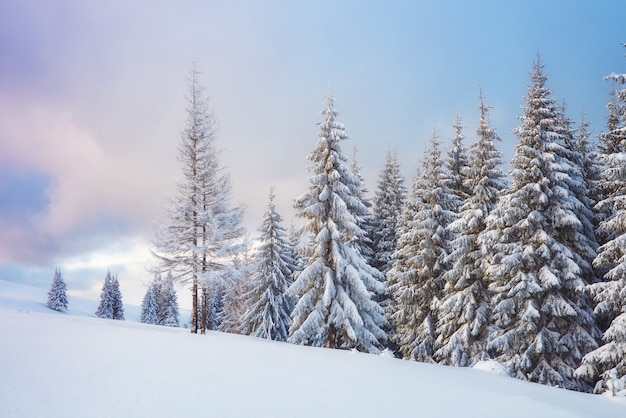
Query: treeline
[[464, 266], [110, 306]]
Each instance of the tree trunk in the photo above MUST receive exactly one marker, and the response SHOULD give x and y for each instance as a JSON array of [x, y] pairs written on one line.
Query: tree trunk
[[194, 306], [332, 336], [204, 312]]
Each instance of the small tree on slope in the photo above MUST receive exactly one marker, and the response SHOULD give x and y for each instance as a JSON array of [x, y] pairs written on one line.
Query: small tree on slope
[[543, 323], [57, 297], [111, 305], [415, 281], [335, 307], [466, 308], [160, 303], [149, 304], [167, 313], [268, 316]]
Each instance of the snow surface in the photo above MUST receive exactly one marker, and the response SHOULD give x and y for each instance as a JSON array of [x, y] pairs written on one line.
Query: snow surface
[[72, 364]]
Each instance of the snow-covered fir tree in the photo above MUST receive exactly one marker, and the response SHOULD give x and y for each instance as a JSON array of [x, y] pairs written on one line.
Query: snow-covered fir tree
[[336, 289], [210, 305], [456, 164], [57, 296], [582, 240], [610, 294], [202, 233], [160, 303], [543, 323], [611, 183], [465, 311], [591, 170], [111, 305], [270, 309], [234, 304], [416, 279], [150, 303], [236, 287], [388, 202], [168, 303], [363, 243]]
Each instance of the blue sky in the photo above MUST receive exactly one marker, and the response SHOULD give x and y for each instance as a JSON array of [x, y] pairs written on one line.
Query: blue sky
[[92, 103]]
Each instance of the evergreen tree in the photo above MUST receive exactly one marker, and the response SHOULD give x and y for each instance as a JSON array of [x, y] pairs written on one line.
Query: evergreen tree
[[168, 303], [415, 280], [212, 301], [111, 305], [466, 309], [388, 202], [57, 297], [234, 304], [581, 240], [610, 294], [268, 316], [160, 303], [203, 232], [363, 243], [457, 164], [543, 323], [335, 307], [150, 304]]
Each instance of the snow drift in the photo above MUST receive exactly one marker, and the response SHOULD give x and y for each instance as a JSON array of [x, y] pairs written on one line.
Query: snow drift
[[75, 365]]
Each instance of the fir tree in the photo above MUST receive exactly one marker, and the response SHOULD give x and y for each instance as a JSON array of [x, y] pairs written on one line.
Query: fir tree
[[388, 202], [203, 233], [362, 214], [234, 304], [543, 323], [465, 311], [57, 297], [456, 164], [335, 307], [111, 305], [610, 294], [212, 302], [268, 316], [415, 280], [160, 303], [168, 303], [149, 304]]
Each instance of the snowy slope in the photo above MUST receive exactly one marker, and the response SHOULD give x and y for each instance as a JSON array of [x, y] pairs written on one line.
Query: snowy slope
[[75, 365]]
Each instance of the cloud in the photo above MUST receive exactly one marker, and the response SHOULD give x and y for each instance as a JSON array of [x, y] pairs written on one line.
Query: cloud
[[72, 191]]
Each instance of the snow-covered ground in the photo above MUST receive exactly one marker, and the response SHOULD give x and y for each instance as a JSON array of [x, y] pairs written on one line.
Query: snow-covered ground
[[75, 365]]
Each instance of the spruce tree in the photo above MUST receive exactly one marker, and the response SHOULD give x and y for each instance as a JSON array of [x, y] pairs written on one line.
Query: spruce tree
[[610, 294], [202, 235], [167, 313], [160, 303], [456, 164], [363, 243], [388, 202], [335, 307], [111, 305], [543, 326], [150, 304], [416, 279], [57, 297], [234, 304], [269, 313], [466, 308]]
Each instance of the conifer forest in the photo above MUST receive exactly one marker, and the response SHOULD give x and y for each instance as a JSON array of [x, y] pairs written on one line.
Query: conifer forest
[[462, 263]]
